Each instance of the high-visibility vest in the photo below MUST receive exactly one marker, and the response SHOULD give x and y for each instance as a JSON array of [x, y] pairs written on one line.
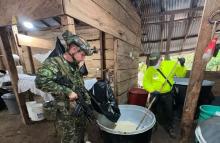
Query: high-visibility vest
[[167, 66], [153, 80]]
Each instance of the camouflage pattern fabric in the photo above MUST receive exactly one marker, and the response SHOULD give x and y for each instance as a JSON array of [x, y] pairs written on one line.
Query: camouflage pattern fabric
[[52, 79]]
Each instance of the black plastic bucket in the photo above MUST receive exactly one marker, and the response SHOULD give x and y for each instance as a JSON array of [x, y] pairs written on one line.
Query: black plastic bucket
[[2, 103], [139, 138], [205, 96], [131, 113]]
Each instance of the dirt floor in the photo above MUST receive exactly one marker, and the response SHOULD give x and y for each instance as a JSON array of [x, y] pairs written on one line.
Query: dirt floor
[[12, 130]]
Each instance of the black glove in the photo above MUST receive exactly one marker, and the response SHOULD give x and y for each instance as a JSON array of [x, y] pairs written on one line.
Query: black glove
[[182, 61]]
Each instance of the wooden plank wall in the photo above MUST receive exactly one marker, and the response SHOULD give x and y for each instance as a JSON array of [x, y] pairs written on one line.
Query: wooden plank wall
[[126, 68]]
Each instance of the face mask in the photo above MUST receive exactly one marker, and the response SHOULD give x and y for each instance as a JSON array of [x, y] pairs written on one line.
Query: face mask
[[83, 70]]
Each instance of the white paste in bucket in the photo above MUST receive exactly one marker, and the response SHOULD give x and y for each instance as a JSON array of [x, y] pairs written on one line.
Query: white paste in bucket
[[125, 126]]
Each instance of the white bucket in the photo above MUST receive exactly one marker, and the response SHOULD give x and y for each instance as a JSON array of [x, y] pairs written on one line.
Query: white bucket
[[37, 112], [29, 108]]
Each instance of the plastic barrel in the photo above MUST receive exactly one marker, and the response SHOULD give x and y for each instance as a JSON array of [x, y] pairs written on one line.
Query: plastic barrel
[[10, 101], [208, 111], [137, 96]]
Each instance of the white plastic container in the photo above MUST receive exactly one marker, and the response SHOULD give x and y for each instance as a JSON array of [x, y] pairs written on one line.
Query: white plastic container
[[29, 108], [35, 110]]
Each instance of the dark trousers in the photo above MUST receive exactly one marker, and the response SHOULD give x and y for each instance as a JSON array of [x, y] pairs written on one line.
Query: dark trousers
[[163, 109]]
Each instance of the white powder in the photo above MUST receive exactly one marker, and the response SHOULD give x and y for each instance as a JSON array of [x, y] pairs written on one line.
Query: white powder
[[125, 126]]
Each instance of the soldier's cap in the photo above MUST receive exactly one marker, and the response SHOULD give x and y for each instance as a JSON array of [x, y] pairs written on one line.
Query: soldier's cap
[[154, 56], [83, 45]]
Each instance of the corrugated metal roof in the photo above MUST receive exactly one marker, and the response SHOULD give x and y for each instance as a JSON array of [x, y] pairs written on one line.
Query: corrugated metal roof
[[156, 18]]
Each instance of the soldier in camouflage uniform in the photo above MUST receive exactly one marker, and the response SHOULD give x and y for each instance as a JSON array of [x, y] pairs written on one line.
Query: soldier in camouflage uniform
[[54, 77]]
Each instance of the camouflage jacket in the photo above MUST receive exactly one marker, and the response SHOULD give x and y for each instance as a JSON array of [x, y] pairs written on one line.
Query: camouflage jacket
[[53, 79]]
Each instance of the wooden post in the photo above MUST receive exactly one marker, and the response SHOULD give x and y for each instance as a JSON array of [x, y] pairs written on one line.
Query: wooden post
[[31, 60], [102, 54], [68, 24], [115, 68], [30, 57], [14, 41], [2, 66], [197, 72], [7, 53]]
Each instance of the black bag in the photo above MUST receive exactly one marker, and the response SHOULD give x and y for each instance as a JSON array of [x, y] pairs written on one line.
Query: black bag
[[58, 50], [103, 100], [83, 70]]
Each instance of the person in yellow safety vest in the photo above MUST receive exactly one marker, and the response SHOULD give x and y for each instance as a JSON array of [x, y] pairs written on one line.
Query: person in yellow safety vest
[[154, 82]]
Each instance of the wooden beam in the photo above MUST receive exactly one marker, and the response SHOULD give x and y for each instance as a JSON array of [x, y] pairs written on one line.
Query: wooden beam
[[30, 57], [17, 47], [118, 12], [68, 24], [173, 12], [91, 13], [102, 54], [29, 10], [115, 68], [127, 5], [31, 60], [2, 65], [5, 44], [170, 32], [197, 72], [25, 40]]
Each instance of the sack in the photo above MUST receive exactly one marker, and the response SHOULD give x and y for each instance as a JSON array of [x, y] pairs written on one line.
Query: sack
[[103, 100], [83, 70], [50, 110], [58, 50]]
